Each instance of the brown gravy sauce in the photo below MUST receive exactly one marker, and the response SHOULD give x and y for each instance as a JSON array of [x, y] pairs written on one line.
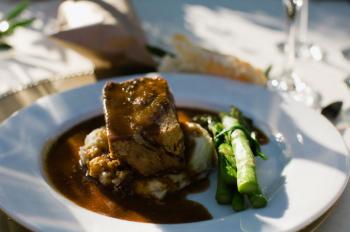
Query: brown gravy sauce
[[65, 174]]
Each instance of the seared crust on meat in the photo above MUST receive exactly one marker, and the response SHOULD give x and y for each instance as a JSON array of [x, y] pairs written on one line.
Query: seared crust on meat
[[142, 126]]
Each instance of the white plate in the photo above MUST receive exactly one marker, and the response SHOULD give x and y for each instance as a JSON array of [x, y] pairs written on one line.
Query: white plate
[[306, 172]]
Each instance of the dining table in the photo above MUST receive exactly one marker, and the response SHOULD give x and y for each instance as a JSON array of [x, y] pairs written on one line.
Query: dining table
[[251, 29]]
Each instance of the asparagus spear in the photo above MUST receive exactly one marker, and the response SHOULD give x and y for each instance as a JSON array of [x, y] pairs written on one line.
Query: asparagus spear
[[224, 134], [228, 165], [244, 147], [247, 124], [237, 201], [225, 172], [226, 193], [223, 191], [246, 174], [257, 200]]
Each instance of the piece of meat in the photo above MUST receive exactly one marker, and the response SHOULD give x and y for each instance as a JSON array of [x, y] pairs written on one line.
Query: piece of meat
[[142, 126], [200, 159]]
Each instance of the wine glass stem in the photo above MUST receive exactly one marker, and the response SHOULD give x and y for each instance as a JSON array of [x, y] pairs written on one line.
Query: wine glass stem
[[303, 26], [292, 16], [291, 45]]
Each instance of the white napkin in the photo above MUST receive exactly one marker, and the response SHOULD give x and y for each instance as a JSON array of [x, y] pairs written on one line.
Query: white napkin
[[108, 28]]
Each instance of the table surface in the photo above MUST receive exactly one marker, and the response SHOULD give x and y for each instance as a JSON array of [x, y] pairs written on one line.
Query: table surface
[[250, 29]]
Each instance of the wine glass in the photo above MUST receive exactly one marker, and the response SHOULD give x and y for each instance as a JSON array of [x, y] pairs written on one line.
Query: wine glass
[[305, 48], [289, 81]]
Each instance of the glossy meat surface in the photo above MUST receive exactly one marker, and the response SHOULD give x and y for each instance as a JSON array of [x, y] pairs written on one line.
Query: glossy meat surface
[[142, 126]]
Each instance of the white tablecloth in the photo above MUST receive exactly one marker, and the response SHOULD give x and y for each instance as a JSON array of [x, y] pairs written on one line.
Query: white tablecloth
[[35, 57], [250, 29]]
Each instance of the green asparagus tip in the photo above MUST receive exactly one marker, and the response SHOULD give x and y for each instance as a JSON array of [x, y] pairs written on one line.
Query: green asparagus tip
[[223, 199], [238, 202], [235, 112], [257, 200]]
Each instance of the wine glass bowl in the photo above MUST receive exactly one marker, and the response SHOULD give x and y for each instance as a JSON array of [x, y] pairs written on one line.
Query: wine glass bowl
[[304, 48], [288, 81]]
